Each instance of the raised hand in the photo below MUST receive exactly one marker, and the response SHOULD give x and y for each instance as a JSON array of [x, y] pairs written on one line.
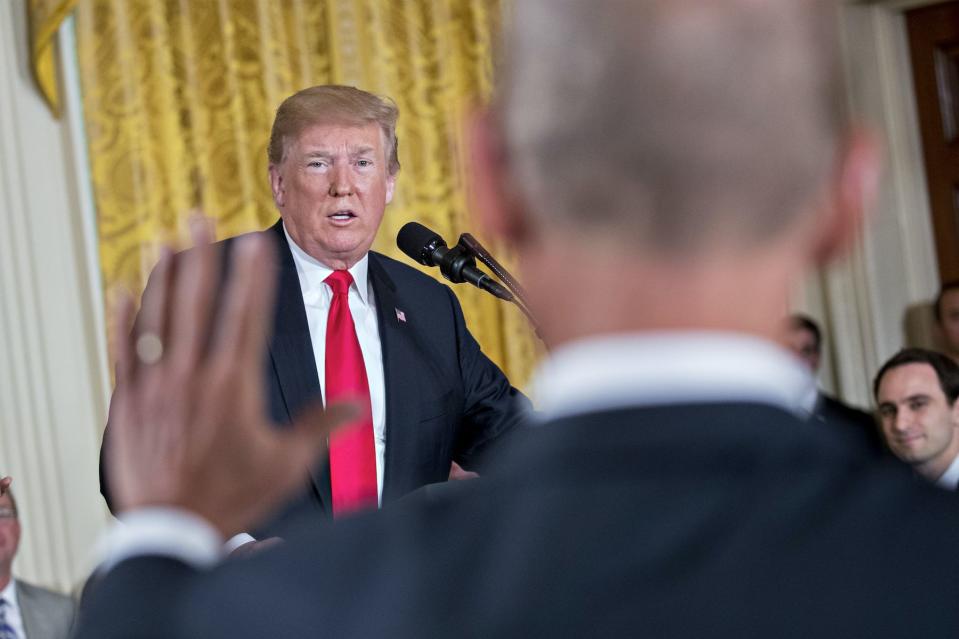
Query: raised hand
[[189, 427]]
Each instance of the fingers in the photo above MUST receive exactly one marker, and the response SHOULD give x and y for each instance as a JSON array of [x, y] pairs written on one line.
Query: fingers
[[194, 298], [150, 328], [124, 339], [5, 485], [311, 430], [247, 308]]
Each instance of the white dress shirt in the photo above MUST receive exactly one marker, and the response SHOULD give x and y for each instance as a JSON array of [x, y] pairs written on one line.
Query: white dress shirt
[[950, 479], [14, 618], [589, 375], [317, 297]]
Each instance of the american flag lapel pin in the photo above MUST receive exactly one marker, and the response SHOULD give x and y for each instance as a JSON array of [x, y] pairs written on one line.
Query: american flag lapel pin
[[400, 315]]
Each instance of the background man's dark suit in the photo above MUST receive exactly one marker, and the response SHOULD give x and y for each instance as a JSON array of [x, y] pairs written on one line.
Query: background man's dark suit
[[861, 427], [723, 517], [445, 400]]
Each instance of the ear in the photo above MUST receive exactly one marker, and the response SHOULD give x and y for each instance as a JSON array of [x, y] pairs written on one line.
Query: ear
[[853, 192], [276, 185], [494, 201], [390, 186]]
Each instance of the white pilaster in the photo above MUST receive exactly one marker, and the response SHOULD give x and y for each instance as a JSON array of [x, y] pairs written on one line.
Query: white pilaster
[[53, 379]]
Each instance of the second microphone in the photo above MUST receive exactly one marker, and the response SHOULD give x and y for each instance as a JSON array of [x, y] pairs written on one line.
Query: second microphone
[[456, 264]]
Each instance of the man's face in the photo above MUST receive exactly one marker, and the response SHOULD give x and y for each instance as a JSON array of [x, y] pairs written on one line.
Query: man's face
[[917, 421], [802, 343], [332, 188], [949, 322], [9, 532]]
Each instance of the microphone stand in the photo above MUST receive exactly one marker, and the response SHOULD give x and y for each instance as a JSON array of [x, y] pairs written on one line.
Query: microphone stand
[[472, 245]]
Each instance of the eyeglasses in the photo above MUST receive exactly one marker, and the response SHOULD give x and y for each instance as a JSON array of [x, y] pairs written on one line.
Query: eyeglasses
[[8, 513]]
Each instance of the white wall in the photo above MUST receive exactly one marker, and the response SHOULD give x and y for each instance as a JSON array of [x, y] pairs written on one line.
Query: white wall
[[53, 381], [877, 301]]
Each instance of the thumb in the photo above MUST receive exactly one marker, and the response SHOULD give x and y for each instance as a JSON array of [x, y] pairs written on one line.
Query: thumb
[[313, 427]]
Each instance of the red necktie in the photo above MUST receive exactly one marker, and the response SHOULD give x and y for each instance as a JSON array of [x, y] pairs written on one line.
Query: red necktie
[[352, 453]]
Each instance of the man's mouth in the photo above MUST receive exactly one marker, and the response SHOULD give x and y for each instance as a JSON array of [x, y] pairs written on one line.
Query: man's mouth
[[906, 440], [342, 216]]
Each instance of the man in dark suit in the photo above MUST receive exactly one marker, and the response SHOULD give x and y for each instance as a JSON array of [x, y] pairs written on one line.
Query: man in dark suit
[[667, 171], [804, 338], [26, 611], [434, 397]]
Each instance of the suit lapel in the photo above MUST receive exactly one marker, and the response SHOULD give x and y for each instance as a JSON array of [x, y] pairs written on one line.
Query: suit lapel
[[33, 624], [393, 333], [291, 353]]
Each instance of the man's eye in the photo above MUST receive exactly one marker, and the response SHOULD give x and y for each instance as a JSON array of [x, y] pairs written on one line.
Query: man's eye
[[364, 163], [887, 411], [917, 404]]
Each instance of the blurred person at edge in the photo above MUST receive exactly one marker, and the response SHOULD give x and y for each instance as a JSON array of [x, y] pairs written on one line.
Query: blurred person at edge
[[946, 310], [26, 611], [803, 336]]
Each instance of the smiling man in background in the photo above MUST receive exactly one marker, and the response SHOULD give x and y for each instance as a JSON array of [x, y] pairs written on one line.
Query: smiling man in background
[[916, 391]]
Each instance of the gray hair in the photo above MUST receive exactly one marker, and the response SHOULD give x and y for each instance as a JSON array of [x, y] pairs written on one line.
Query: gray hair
[[670, 123]]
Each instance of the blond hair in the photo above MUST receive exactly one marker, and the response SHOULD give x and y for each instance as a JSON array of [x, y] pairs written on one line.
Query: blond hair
[[333, 104]]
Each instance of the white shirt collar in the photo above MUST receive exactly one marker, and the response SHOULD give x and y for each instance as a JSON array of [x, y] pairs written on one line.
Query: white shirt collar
[[313, 272], [9, 593], [950, 479], [656, 368]]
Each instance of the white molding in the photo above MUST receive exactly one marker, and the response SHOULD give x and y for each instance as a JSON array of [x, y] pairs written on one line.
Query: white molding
[[900, 247], [877, 300], [52, 394], [82, 178]]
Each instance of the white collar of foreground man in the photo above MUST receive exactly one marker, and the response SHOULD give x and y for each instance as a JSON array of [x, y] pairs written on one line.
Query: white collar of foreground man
[[668, 367], [603, 372]]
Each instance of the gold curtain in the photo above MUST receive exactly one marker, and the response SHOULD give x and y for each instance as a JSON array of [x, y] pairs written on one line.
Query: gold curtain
[[179, 97], [45, 18]]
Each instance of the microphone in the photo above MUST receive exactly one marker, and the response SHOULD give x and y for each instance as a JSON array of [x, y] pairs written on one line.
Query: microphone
[[456, 264]]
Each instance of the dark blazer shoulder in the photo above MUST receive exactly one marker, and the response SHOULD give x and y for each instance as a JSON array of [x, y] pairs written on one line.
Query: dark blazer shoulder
[[402, 277]]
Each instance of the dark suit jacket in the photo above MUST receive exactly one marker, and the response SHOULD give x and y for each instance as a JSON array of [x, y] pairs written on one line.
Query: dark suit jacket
[[680, 521], [445, 400], [858, 426]]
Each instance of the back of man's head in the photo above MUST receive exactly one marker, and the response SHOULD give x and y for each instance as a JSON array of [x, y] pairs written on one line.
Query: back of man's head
[[667, 124]]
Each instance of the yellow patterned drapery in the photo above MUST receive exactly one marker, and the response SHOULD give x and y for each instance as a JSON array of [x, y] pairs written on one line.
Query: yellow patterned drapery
[[179, 97], [45, 17]]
